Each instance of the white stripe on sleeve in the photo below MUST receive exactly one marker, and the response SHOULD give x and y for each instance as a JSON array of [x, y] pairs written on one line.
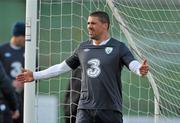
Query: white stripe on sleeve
[[134, 66]]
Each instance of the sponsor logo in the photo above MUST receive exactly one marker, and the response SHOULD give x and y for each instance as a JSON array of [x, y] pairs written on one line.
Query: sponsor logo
[[94, 70], [86, 50]]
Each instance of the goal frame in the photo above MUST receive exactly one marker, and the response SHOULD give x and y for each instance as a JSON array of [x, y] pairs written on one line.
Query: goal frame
[[30, 60]]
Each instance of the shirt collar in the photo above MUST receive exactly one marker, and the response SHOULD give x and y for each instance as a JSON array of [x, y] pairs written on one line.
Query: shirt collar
[[103, 42], [14, 46]]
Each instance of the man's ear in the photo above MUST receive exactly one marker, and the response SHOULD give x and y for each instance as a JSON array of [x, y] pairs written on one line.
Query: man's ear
[[106, 25]]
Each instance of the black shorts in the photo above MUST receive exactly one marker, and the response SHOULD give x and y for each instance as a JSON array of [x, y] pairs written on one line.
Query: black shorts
[[98, 116]]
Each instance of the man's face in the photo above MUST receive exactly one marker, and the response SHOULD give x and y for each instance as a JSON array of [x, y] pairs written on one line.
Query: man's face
[[95, 27], [20, 41]]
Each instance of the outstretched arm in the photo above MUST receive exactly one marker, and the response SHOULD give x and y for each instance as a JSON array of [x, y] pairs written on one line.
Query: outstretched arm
[[29, 76]]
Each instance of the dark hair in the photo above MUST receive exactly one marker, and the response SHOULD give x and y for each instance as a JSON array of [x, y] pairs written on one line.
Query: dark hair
[[18, 29], [103, 16]]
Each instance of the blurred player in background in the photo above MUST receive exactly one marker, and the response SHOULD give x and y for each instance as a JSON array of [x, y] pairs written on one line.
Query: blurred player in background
[[8, 100], [101, 58], [12, 58], [72, 96]]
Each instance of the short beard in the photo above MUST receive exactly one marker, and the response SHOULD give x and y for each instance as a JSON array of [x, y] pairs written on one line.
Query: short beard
[[95, 37]]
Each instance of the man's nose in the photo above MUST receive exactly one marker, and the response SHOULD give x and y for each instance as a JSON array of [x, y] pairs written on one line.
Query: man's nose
[[89, 26]]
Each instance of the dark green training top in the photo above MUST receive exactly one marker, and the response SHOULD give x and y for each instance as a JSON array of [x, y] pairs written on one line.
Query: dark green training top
[[101, 71]]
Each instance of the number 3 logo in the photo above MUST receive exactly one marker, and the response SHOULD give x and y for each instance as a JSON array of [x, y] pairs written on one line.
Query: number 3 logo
[[94, 69]]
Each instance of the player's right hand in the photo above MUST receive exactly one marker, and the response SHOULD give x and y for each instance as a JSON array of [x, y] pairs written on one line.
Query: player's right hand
[[25, 76]]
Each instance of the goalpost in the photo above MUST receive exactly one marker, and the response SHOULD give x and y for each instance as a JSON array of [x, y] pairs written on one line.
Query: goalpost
[[149, 27], [30, 60]]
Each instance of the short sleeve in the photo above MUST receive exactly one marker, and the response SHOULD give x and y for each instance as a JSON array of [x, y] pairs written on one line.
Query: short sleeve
[[126, 55], [73, 61]]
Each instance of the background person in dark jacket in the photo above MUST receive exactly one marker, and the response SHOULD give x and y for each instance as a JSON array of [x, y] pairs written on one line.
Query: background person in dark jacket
[[12, 59], [8, 100]]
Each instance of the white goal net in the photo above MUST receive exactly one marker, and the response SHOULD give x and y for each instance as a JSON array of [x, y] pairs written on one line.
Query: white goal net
[[151, 29]]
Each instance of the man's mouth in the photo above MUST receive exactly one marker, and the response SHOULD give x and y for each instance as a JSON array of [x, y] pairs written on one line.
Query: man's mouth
[[90, 32]]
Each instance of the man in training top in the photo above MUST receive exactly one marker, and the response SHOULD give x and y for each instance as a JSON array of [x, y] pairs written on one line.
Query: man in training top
[[101, 58]]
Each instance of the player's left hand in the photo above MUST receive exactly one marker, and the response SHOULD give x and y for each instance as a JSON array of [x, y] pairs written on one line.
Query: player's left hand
[[144, 68]]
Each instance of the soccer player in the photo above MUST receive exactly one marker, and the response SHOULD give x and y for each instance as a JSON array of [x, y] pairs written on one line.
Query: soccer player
[[101, 58], [8, 103], [12, 59]]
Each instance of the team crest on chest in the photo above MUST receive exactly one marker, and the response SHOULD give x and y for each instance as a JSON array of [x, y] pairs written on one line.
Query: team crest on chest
[[108, 50]]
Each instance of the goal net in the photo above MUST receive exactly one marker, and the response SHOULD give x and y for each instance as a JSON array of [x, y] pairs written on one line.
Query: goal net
[[150, 28]]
